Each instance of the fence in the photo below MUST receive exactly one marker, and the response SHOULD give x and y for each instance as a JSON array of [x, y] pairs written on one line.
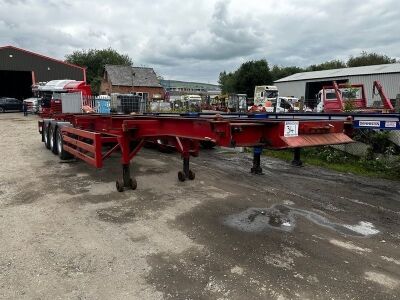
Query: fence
[[99, 104], [76, 103]]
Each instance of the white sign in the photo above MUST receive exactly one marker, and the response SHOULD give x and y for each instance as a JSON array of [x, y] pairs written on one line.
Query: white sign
[[390, 124], [369, 123], [291, 128]]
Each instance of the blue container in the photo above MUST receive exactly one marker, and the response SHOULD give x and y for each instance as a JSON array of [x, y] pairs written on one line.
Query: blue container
[[103, 106]]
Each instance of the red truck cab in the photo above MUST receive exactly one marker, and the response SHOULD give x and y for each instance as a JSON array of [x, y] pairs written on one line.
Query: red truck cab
[[50, 94]]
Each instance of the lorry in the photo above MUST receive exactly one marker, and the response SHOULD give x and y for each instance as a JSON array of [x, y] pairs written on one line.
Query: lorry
[[267, 99], [344, 97], [265, 93], [50, 94], [191, 102]]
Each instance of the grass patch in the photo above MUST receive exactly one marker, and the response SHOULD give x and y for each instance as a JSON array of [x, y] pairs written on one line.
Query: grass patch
[[339, 161]]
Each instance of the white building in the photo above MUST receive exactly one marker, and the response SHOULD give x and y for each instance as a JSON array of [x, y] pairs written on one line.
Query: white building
[[307, 84]]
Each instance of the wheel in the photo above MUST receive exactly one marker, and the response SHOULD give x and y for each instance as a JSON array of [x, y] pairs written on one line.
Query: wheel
[[181, 176], [53, 140], [133, 183], [207, 144], [192, 175], [64, 155], [119, 185], [2, 110], [46, 135]]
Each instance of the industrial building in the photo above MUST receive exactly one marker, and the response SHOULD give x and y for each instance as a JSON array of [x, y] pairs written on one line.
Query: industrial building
[[20, 68], [308, 84], [176, 88]]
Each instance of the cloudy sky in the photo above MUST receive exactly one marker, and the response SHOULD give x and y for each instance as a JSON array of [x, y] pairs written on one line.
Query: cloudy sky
[[195, 40]]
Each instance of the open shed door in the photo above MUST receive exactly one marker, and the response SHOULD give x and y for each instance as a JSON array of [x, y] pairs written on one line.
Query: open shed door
[[16, 84]]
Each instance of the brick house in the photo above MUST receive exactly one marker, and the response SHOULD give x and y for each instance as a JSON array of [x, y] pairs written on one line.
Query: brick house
[[127, 79]]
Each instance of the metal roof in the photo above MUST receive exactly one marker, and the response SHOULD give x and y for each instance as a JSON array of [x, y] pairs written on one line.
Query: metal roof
[[188, 84], [55, 85], [366, 70], [132, 76], [40, 55]]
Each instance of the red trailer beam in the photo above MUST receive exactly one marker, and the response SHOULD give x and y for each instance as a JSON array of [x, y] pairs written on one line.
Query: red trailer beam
[[89, 133]]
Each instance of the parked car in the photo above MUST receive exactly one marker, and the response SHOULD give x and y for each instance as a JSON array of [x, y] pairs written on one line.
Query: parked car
[[10, 104], [32, 105]]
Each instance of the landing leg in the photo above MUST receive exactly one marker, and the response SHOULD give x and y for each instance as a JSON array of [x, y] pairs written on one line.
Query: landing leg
[[186, 172], [256, 169], [127, 181], [296, 158]]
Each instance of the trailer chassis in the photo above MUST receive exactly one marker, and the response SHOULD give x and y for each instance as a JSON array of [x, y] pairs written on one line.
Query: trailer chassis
[[95, 137]]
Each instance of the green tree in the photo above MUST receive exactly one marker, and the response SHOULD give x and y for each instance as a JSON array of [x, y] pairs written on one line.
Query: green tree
[[328, 65], [250, 74], [227, 82], [95, 60], [368, 59], [278, 72]]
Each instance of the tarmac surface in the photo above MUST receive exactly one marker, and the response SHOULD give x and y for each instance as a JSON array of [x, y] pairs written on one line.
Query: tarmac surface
[[292, 233]]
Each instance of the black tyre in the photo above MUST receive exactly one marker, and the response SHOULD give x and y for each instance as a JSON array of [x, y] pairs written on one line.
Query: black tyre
[[2, 110], [46, 138], [191, 175], [64, 155], [181, 176], [207, 144], [133, 183], [119, 185], [53, 139]]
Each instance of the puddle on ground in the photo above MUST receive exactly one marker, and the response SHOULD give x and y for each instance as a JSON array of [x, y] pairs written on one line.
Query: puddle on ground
[[283, 218]]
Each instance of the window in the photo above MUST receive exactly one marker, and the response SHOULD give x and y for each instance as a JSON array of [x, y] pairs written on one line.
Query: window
[[330, 96]]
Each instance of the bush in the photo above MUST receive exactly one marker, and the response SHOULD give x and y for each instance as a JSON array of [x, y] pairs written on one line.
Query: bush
[[378, 140], [328, 154]]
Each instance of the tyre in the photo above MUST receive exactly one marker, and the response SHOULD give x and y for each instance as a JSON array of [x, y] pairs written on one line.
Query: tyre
[[181, 176], [53, 139], [46, 135], [207, 144], [133, 183], [64, 155], [191, 175], [2, 110], [119, 185]]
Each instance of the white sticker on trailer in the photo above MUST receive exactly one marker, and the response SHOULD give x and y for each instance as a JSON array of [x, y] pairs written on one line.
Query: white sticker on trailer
[[390, 124], [291, 128], [369, 123]]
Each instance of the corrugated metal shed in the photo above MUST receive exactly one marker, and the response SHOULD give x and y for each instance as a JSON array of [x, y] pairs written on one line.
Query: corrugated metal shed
[[389, 75], [345, 72], [44, 68], [132, 76]]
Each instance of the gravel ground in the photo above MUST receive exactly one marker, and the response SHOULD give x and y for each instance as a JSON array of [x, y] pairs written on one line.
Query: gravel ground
[[292, 233]]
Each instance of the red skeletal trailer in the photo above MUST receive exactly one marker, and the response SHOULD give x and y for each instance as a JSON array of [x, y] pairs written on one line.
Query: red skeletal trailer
[[94, 137]]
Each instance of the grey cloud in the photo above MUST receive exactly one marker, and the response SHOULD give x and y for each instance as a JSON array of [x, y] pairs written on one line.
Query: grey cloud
[[195, 40]]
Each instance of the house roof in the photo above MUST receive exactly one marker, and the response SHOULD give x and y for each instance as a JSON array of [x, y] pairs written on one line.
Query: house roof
[[132, 76], [366, 70]]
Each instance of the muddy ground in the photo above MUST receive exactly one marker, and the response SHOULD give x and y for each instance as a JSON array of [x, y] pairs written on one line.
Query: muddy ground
[[292, 233]]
